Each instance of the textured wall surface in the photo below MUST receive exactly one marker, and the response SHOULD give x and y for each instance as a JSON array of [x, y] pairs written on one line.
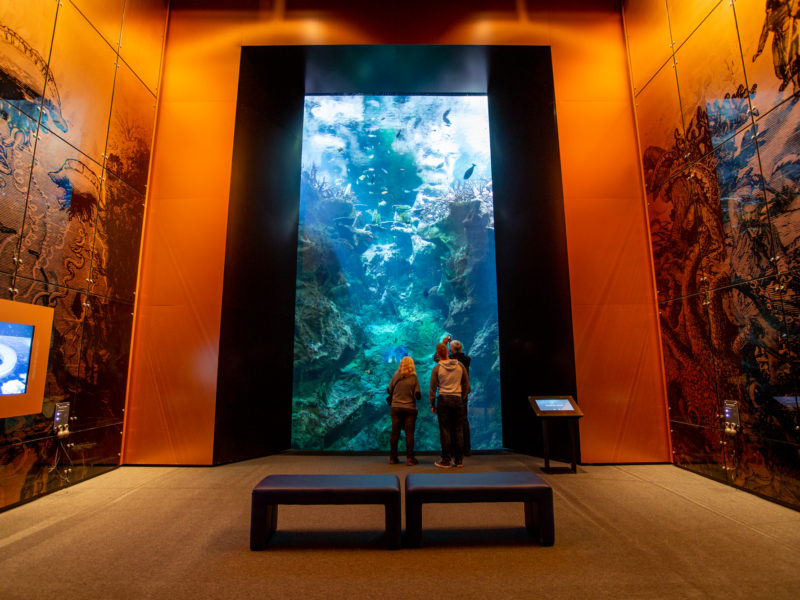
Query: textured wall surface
[[617, 355], [716, 87], [77, 109]]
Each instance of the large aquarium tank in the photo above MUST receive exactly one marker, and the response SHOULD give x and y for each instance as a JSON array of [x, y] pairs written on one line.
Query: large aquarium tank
[[396, 249]]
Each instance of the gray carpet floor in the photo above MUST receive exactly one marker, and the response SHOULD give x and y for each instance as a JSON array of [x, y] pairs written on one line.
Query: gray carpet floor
[[644, 531]]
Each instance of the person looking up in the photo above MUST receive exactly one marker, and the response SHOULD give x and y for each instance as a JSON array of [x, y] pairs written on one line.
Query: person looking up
[[456, 351], [404, 389], [449, 378]]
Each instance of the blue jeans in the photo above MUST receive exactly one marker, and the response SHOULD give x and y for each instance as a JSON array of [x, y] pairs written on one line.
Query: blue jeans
[[450, 410]]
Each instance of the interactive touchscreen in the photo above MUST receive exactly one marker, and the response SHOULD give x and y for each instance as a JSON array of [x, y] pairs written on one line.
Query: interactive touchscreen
[[551, 404], [15, 357], [395, 249], [555, 407], [25, 332]]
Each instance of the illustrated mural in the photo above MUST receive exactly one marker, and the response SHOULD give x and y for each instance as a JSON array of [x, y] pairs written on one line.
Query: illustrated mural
[[76, 128], [723, 194]]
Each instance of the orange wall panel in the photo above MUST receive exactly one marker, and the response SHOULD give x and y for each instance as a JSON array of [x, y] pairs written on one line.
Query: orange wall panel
[[620, 384]]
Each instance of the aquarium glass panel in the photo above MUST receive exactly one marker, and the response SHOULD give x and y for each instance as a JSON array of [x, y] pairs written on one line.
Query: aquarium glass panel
[[395, 250]]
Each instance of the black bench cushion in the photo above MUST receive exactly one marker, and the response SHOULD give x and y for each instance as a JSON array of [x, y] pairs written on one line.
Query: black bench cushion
[[328, 489], [476, 487]]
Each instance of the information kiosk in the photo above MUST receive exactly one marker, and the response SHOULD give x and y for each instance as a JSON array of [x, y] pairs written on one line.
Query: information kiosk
[[550, 408]]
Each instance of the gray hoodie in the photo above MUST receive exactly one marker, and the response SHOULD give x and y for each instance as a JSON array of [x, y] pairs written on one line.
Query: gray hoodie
[[451, 378]]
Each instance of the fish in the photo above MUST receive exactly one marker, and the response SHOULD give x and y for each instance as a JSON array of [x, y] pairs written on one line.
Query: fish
[[445, 119], [395, 354], [468, 172]]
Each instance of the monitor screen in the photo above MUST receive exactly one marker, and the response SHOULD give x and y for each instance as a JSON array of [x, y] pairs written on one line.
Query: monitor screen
[[555, 406], [551, 404], [25, 334], [16, 340]]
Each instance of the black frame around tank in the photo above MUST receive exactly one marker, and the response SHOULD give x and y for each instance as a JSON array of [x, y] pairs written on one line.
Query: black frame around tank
[[254, 385]]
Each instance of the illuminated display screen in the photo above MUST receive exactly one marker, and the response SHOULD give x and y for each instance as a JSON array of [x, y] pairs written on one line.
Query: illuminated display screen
[[553, 404], [395, 249], [15, 356]]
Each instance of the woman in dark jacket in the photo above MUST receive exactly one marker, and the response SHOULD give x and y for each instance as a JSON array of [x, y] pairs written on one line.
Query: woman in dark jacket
[[404, 389]]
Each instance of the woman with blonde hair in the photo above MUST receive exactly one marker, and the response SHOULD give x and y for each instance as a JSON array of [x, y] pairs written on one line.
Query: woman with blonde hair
[[404, 390]]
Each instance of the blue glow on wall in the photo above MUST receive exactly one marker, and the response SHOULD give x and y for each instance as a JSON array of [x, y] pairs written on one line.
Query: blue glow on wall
[[395, 249]]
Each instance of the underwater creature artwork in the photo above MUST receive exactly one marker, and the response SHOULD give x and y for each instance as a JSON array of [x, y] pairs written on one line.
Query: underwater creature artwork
[[395, 249]]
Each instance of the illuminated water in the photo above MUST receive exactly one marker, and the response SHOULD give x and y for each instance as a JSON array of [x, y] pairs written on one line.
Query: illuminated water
[[396, 248]]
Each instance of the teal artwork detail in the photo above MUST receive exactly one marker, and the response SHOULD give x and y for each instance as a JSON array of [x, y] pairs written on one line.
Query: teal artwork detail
[[396, 249]]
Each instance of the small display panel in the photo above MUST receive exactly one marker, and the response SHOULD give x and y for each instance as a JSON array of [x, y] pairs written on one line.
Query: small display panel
[[25, 333], [16, 340], [555, 406], [551, 404]]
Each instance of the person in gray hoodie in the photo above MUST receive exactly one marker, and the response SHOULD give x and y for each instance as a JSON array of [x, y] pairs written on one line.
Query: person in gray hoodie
[[450, 379]]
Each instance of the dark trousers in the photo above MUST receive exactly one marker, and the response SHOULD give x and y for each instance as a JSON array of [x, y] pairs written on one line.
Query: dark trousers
[[451, 433], [405, 419], [465, 427]]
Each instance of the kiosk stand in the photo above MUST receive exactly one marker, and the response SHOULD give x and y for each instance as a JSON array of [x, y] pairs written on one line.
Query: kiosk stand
[[550, 408]]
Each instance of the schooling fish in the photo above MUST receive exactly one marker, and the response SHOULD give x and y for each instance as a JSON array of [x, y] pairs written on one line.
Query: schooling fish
[[468, 172]]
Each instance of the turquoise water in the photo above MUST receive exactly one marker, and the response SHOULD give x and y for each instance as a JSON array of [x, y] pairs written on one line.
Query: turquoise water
[[396, 249]]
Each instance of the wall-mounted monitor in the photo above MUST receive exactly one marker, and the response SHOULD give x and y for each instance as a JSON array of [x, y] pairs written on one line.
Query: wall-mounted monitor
[[25, 331], [555, 406]]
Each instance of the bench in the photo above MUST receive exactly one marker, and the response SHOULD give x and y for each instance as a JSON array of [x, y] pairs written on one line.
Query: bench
[[322, 489], [518, 486]]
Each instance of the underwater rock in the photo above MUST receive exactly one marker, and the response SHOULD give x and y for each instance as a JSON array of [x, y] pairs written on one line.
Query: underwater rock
[[382, 262], [325, 202], [323, 334]]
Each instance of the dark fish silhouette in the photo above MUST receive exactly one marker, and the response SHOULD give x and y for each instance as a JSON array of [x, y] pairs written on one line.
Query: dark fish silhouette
[[7, 229], [445, 119], [468, 172]]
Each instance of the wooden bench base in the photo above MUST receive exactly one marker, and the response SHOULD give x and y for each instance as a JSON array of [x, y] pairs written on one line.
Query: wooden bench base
[[522, 486], [322, 489]]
